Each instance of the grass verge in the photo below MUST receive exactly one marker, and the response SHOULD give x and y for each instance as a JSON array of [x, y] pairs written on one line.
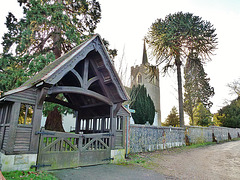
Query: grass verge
[[29, 175]]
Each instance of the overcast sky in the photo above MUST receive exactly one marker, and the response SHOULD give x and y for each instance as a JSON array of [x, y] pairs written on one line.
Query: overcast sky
[[124, 24]]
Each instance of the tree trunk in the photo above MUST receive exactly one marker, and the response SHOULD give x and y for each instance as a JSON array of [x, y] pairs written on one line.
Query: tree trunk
[[191, 110], [54, 118], [180, 96], [54, 121]]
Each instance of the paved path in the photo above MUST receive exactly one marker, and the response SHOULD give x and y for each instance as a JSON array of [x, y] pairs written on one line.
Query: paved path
[[108, 172]]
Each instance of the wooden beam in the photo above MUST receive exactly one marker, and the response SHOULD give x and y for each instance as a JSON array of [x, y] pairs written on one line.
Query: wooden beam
[[92, 105], [92, 80], [77, 90], [103, 87], [85, 73], [41, 97], [77, 76], [116, 108], [57, 101]]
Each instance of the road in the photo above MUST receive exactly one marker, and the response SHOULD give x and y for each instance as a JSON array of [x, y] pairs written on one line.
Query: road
[[108, 172], [220, 162]]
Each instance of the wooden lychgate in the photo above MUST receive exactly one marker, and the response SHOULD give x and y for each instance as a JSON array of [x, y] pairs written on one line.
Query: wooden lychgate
[[87, 82]]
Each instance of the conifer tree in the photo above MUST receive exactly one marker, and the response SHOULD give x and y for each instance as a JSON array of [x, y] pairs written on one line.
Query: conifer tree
[[173, 37], [48, 29], [197, 87], [173, 118], [143, 105]]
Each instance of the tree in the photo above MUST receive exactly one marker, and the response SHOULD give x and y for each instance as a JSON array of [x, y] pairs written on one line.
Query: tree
[[229, 115], [143, 105], [174, 37], [235, 87], [197, 87], [54, 121], [173, 118], [48, 29], [202, 115]]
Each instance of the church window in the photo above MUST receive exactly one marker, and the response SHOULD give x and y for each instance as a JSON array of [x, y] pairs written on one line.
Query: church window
[[139, 78]]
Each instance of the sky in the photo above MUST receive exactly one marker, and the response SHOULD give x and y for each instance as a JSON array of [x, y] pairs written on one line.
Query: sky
[[124, 24]]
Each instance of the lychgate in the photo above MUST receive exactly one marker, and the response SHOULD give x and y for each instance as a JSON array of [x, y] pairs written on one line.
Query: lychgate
[[87, 80]]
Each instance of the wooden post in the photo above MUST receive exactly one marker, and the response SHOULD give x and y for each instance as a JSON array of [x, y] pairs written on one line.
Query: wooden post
[[13, 127], [3, 127], [77, 124], [94, 125], [87, 127], [35, 127], [113, 127], [103, 125], [36, 119]]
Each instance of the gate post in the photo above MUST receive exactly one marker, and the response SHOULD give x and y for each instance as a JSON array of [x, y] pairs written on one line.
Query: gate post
[[113, 128]]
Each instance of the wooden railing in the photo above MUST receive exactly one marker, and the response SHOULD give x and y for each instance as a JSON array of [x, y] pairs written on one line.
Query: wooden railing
[[59, 141], [96, 141]]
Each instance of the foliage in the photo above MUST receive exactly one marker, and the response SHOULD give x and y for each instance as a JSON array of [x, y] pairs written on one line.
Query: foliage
[[202, 115], [112, 52], [229, 116], [174, 37], [142, 103], [216, 121], [28, 175], [197, 87], [48, 107], [235, 87], [48, 29], [180, 34], [172, 118]]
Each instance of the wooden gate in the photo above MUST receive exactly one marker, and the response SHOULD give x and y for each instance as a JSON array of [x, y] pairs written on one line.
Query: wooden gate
[[58, 150]]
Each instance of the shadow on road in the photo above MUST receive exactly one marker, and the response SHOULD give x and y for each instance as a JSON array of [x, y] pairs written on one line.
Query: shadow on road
[[108, 171]]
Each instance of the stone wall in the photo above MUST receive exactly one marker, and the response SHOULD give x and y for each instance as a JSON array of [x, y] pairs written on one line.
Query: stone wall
[[205, 134], [17, 162], [150, 138]]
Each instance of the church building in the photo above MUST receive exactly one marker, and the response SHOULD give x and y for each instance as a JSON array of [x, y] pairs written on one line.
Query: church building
[[140, 75]]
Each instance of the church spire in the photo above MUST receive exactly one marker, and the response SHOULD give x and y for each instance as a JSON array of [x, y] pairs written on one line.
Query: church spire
[[144, 58]]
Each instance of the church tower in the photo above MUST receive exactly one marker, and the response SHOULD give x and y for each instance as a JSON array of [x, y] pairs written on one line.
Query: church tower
[[140, 75]]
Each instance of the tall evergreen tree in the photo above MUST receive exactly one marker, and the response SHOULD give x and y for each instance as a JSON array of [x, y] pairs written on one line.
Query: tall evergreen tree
[[174, 37], [48, 29], [197, 87], [143, 105], [173, 118]]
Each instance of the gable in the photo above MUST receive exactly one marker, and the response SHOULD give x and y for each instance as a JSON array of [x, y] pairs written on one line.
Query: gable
[[68, 69]]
